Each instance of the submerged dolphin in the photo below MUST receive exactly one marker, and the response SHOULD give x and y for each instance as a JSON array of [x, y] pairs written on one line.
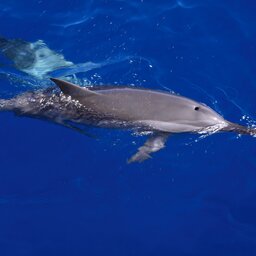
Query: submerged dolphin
[[35, 59], [18, 51], [122, 107]]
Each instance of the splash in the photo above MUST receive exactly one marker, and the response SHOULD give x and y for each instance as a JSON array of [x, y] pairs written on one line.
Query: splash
[[251, 123], [213, 129], [210, 130], [142, 133]]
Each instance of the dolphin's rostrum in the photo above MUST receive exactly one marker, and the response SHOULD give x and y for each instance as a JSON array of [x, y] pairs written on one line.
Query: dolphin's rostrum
[[121, 107]]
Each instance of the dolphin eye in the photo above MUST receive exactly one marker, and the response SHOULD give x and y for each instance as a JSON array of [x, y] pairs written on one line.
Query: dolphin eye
[[196, 108]]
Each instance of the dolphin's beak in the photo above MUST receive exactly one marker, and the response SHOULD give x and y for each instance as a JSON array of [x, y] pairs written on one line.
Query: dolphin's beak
[[233, 127]]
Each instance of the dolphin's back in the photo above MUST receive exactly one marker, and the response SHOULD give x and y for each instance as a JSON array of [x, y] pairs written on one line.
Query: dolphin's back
[[129, 103], [161, 111], [140, 104]]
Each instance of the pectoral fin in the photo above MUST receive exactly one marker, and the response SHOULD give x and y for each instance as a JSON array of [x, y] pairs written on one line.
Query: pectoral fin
[[152, 144]]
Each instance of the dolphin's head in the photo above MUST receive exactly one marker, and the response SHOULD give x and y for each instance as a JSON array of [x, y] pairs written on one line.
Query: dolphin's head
[[207, 117], [202, 116], [189, 115]]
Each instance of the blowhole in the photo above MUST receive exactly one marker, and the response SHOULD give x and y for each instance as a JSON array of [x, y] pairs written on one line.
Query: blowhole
[[196, 108]]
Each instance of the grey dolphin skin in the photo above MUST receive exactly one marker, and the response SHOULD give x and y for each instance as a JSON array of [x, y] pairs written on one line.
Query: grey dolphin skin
[[160, 113]]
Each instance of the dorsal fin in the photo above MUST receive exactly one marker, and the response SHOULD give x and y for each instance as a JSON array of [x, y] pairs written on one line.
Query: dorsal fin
[[73, 90]]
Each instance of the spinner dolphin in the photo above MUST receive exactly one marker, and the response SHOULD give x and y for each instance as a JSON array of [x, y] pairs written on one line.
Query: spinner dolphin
[[160, 113]]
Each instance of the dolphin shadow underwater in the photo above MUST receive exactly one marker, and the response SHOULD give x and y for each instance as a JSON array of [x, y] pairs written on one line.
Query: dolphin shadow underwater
[[144, 110]]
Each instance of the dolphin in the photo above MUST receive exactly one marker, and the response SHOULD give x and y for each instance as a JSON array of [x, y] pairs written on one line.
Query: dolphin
[[19, 52], [35, 59], [160, 113]]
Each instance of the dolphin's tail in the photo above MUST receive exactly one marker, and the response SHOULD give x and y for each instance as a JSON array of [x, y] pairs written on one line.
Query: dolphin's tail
[[232, 127]]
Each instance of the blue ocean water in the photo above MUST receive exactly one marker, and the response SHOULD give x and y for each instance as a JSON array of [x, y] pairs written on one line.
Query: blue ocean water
[[62, 193]]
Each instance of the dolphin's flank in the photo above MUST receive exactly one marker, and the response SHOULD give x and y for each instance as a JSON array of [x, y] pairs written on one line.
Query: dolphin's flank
[[160, 113]]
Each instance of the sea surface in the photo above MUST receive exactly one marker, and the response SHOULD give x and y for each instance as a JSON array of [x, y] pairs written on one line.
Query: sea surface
[[62, 193]]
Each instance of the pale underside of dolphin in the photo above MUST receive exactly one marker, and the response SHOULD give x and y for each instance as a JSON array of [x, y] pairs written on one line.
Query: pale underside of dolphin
[[161, 113]]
